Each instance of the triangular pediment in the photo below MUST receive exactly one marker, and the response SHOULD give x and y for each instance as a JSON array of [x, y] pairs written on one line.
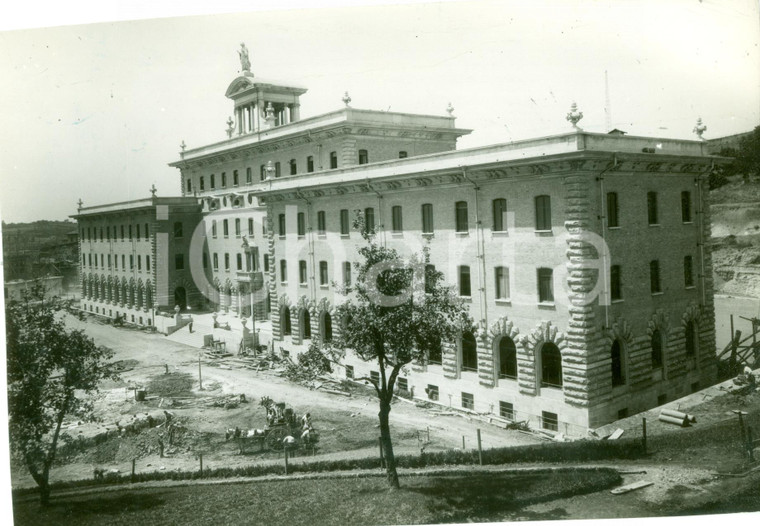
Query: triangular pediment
[[238, 85]]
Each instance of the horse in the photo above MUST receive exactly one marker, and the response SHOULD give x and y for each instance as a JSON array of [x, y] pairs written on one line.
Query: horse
[[236, 432]]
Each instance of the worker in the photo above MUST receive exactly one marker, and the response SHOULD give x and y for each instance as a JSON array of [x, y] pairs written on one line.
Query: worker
[[306, 421], [289, 442]]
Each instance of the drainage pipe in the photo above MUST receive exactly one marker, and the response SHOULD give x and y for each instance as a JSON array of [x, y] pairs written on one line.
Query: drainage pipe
[[480, 245]]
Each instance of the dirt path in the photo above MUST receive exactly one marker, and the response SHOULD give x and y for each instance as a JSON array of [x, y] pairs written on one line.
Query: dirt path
[[153, 353]]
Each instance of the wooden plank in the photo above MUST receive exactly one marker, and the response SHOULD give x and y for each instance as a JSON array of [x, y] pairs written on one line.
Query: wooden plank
[[631, 487], [616, 434]]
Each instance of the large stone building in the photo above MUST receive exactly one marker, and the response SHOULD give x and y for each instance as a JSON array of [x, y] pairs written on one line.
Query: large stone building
[[582, 257]]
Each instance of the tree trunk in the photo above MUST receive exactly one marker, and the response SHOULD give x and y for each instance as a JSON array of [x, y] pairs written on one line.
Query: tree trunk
[[385, 435], [44, 493]]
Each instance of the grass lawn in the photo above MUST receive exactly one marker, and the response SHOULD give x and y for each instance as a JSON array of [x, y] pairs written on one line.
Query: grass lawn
[[434, 499]]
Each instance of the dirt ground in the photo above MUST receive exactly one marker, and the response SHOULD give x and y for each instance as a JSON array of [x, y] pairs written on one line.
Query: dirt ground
[[347, 425]]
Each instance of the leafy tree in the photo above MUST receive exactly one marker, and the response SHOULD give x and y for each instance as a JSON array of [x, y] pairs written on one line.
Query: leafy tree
[[748, 156], [49, 369], [393, 318]]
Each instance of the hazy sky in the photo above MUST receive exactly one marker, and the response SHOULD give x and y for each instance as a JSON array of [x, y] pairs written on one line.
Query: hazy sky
[[97, 111]]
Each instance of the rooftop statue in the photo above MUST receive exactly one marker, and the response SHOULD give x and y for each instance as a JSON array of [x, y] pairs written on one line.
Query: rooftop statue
[[245, 63]]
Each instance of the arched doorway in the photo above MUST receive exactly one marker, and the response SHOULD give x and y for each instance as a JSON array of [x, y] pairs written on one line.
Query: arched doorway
[[551, 365], [305, 324], [326, 329], [469, 352], [180, 298], [507, 358], [285, 320]]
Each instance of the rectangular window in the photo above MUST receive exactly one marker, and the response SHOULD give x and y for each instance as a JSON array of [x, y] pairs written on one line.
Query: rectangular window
[[102, 261], [333, 160], [266, 262], [396, 219], [616, 286], [375, 377], [248, 258], [654, 276], [499, 215], [321, 222], [344, 227], [213, 228], [549, 421], [281, 225], [263, 172], [302, 275], [612, 210], [427, 218], [130, 232], [293, 167], [239, 261], [283, 270], [109, 260], [123, 262], [429, 278], [178, 229], [202, 184], [122, 232], [432, 392], [226, 228], [310, 164], [369, 219], [346, 274], [350, 372], [179, 261], [277, 170], [506, 410], [227, 261], [502, 283], [224, 179], [237, 227], [212, 181], [323, 279], [116, 262], [545, 285], [460, 208], [363, 157], [147, 232], [652, 208], [216, 261], [686, 207], [402, 154], [235, 179], [301, 224], [543, 213], [464, 281], [137, 233], [250, 226], [468, 400], [248, 175], [131, 262], [688, 271], [139, 262]]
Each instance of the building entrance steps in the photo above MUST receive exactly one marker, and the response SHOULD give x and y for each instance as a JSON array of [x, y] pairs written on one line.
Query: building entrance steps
[[203, 324]]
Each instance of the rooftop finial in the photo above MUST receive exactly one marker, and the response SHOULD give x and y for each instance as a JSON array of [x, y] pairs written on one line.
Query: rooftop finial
[[700, 129], [153, 190], [574, 116], [450, 110], [346, 100], [230, 126], [245, 63], [183, 145], [80, 203]]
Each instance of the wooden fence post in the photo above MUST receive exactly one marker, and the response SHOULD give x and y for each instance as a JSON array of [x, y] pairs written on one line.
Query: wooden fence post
[[200, 456], [480, 449], [644, 433], [286, 460], [463, 443]]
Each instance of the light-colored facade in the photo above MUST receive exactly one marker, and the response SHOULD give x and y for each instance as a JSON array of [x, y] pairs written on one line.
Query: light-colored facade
[[135, 257], [582, 257]]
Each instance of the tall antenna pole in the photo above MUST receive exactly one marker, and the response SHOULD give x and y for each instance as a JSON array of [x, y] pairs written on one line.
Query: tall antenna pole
[[607, 103]]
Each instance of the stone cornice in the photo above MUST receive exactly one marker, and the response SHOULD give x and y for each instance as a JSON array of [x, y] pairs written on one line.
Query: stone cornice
[[579, 162]]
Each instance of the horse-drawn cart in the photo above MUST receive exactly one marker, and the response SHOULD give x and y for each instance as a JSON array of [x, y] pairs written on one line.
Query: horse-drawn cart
[[281, 424]]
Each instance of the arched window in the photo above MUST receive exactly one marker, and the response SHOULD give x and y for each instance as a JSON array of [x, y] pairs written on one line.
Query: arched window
[[656, 349], [551, 366], [285, 320], [469, 352], [691, 339], [507, 358], [616, 354], [326, 327]]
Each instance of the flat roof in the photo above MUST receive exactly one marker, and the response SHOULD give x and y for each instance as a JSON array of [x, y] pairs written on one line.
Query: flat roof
[[138, 204]]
